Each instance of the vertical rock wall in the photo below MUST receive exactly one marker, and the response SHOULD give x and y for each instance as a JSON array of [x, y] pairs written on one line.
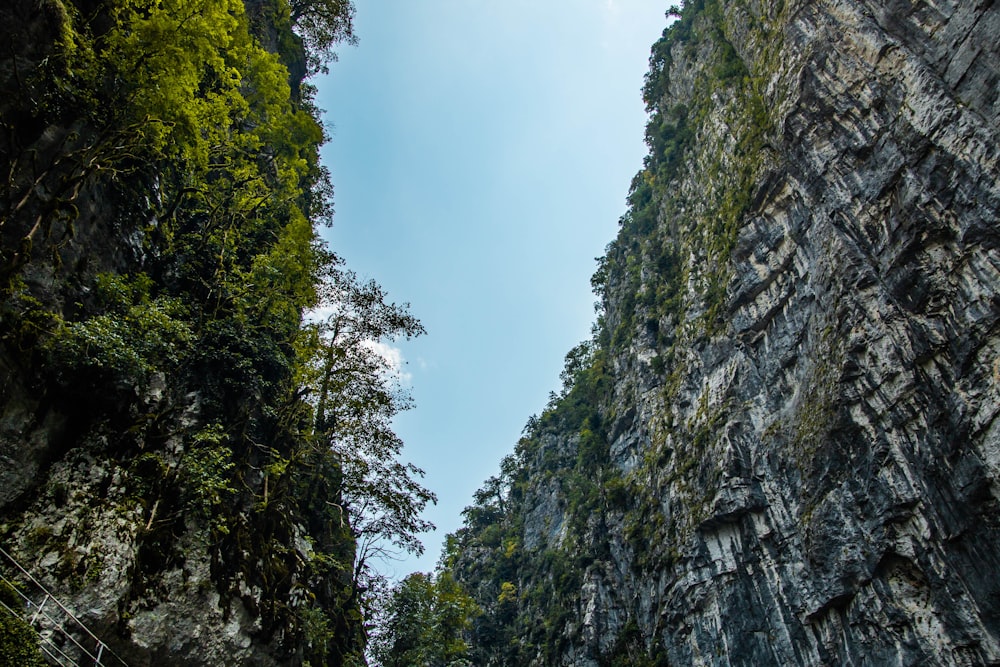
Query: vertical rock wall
[[801, 356]]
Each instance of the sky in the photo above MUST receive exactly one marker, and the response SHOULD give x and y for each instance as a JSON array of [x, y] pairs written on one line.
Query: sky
[[481, 153]]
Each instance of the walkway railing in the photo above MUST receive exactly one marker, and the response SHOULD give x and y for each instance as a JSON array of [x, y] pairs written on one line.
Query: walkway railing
[[62, 637]]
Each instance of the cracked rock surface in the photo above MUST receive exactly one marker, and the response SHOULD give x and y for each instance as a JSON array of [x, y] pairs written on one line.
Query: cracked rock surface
[[814, 481]]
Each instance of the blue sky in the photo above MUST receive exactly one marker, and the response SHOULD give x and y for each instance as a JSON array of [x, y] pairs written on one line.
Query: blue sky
[[481, 153]]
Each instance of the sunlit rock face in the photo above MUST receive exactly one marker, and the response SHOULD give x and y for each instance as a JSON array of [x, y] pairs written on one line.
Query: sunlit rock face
[[802, 451]]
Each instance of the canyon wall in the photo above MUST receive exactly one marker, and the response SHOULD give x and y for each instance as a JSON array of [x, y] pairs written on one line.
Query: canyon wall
[[781, 446]]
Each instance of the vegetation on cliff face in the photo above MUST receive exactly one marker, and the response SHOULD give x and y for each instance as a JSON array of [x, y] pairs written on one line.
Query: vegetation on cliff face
[[530, 596], [18, 640], [159, 256]]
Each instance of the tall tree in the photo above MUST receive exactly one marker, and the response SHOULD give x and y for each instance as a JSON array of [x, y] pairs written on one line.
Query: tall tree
[[356, 392]]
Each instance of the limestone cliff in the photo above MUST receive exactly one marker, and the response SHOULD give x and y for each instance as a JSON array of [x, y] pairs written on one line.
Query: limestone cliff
[[782, 446], [162, 468]]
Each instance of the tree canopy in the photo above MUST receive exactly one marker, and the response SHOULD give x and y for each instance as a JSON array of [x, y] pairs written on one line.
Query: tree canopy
[[323, 24], [425, 622]]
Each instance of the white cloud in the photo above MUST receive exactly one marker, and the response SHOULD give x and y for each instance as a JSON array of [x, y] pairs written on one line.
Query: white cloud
[[318, 315], [394, 357]]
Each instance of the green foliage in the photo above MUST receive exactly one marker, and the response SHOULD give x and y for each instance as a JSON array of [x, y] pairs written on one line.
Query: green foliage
[[25, 318], [196, 52], [207, 471], [165, 224], [317, 630], [508, 593], [670, 235], [356, 394], [18, 641], [322, 25], [676, 35], [629, 650], [586, 383], [426, 621], [183, 86], [669, 135], [353, 392], [131, 335]]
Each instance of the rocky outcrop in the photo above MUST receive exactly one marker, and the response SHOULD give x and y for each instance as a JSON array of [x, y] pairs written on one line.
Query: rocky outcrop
[[795, 382]]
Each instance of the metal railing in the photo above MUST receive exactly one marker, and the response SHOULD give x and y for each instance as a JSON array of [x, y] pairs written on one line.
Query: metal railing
[[61, 635]]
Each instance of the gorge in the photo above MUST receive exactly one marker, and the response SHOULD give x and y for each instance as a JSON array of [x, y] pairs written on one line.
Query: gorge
[[780, 447]]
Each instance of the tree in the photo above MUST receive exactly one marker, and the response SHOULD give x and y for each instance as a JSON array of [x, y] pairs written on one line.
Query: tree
[[425, 623], [356, 391], [323, 24]]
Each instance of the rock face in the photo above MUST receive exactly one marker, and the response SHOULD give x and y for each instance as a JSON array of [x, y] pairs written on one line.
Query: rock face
[[782, 446]]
